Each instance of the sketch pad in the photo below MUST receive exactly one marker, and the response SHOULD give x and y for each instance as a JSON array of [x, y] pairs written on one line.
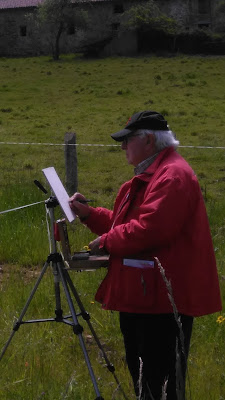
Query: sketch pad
[[59, 191]]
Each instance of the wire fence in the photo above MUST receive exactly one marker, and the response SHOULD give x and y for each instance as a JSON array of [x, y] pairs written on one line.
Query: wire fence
[[99, 145]]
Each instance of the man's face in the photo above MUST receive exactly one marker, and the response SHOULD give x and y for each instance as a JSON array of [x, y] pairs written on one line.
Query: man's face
[[138, 148]]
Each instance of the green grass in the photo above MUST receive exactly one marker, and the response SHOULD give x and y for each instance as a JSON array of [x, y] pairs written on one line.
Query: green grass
[[40, 101]]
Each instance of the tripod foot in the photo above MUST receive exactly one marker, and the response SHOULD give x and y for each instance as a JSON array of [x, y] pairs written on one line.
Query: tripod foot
[[111, 368], [78, 329]]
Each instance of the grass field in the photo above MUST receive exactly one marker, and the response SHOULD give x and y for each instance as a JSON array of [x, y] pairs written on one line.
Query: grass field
[[40, 101]]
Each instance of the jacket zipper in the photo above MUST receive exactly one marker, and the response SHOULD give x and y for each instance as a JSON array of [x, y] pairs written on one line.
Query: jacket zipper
[[118, 212]]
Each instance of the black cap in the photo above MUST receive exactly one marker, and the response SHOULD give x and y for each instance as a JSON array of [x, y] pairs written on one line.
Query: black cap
[[151, 120]]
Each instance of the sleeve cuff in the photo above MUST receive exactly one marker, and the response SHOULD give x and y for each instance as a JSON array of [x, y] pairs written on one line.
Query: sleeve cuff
[[102, 244]]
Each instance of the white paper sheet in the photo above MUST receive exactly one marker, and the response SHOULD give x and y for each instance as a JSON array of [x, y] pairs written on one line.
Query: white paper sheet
[[138, 263], [59, 191]]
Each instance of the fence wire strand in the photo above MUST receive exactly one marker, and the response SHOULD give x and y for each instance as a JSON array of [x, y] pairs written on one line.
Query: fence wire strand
[[101, 145]]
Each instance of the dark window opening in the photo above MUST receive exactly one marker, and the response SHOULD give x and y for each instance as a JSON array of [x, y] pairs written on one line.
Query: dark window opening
[[203, 26], [115, 28], [23, 30], [118, 8], [203, 6], [71, 29]]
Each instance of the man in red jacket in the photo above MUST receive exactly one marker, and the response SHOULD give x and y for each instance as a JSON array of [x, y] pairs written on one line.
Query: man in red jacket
[[162, 270]]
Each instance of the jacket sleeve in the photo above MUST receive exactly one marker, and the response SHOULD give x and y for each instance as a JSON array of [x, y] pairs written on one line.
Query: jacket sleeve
[[161, 217], [99, 220]]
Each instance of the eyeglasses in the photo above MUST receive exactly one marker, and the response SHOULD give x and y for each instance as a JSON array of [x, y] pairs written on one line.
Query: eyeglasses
[[128, 138]]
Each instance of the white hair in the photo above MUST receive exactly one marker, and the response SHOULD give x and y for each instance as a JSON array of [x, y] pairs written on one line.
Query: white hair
[[163, 139]]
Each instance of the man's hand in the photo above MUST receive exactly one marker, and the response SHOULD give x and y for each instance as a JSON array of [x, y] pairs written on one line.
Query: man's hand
[[94, 246], [78, 203]]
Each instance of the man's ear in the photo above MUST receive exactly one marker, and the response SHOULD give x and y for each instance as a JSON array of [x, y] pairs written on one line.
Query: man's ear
[[150, 139], [151, 143]]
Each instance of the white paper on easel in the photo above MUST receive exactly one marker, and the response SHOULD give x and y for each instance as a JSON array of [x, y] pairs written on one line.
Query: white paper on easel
[[59, 191]]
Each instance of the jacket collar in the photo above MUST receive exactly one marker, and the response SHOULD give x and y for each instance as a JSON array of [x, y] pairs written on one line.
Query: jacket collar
[[145, 176]]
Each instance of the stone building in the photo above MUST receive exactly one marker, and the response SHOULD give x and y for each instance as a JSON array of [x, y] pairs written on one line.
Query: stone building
[[199, 13], [21, 36]]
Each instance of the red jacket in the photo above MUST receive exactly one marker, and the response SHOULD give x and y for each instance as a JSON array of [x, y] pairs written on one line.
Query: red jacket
[[160, 213]]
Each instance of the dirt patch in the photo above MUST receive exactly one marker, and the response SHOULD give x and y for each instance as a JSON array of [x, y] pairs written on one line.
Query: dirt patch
[[26, 273]]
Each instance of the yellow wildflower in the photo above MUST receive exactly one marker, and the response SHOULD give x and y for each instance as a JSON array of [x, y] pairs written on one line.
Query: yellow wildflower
[[220, 319], [86, 248]]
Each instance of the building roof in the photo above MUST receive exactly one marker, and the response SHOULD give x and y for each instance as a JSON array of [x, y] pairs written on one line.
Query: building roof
[[4, 4], [7, 4]]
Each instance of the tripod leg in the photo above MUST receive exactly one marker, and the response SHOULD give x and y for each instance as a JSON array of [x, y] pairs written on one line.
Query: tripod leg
[[86, 317], [78, 328], [58, 309], [19, 321]]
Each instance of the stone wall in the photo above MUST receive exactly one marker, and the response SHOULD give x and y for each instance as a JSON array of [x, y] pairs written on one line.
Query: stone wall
[[17, 35]]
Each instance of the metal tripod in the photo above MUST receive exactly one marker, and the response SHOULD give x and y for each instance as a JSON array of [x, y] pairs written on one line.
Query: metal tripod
[[62, 276]]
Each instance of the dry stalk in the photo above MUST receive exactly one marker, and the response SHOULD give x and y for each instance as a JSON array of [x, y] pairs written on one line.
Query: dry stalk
[[140, 382], [164, 389], [140, 379], [179, 375]]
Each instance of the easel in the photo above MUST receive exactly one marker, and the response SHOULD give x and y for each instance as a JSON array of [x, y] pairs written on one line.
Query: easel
[[61, 276]]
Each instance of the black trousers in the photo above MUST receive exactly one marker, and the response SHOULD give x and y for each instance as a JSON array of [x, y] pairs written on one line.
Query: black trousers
[[156, 340]]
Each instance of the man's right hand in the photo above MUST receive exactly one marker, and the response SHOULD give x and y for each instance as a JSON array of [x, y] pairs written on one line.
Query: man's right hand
[[78, 203]]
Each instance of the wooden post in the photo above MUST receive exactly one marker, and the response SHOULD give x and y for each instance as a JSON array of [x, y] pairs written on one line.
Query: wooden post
[[71, 162]]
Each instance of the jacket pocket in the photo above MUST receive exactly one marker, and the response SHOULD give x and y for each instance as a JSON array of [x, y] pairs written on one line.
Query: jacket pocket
[[139, 284]]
